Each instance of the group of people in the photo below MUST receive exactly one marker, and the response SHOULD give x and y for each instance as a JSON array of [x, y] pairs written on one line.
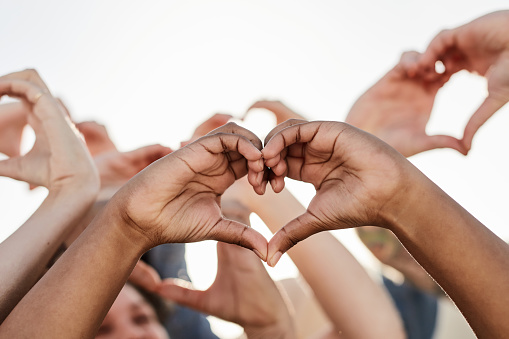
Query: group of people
[[103, 256]]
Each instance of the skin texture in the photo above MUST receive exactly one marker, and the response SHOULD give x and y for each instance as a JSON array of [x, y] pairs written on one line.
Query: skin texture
[[58, 161], [362, 181], [365, 311], [78, 290], [242, 292], [481, 47]]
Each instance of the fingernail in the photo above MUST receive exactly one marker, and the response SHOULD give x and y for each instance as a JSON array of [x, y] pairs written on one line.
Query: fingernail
[[275, 258], [263, 188], [259, 254], [273, 184], [261, 164], [259, 178]]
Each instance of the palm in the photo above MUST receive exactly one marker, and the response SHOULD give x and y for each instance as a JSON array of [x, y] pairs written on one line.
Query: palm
[[357, 203], [354, 175], [397, 109], [197, 188], [177, 199]]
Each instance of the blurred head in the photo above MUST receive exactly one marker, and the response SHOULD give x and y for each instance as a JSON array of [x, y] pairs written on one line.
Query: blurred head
[[131, 316]]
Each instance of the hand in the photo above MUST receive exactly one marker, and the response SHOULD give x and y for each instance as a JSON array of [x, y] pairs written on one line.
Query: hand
[[355, 176], [243, 293], [215, 121], [481, 46], [13, 119], [145, 276], [58, 158], [116, 168], [177, 198], [397, 109], [280, 110], [96, 137]]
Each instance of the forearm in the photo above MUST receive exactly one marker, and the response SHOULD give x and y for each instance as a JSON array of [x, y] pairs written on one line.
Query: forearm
[[27, 251], [342, 286], [463, 256], [71, 300], [355, 304]]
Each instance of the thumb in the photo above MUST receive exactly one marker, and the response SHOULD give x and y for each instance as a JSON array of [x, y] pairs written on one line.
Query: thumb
[[11, 168], [182, 292], [236, 233], [444, 141], [145, 276], [490, 105], [289, 235]]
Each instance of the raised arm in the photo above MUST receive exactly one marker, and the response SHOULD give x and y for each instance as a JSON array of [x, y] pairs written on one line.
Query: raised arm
[[481, 47], [58, 161], [354, 303], [362, 181], [397, 108], [175, 199]]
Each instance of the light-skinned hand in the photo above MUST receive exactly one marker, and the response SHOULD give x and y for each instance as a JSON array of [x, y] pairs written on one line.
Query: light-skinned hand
[[13, 119], [243, 293], [58, 158], [215, 121], [280, 110], [96, 137], [115, 168], [397, 109], [480, 46]]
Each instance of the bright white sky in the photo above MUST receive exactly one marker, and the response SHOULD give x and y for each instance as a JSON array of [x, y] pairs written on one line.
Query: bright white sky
[[151, 73]]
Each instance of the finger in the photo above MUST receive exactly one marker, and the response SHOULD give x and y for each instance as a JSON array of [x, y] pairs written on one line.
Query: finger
[[29, 75], [282, 126], [444, 141], [295, 132], [277, 183], [183, 293], [258, 180], [436, 49], [217, 120], [224, 143], [10, 168], [233, 232], [29, 92], [63, 107], [145, 276], [408, 62], [483, 113], [289, 235], [280, 110], [233, 128], [146, 155]]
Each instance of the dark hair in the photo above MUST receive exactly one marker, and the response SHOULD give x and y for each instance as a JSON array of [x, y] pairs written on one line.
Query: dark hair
[[164, 309]]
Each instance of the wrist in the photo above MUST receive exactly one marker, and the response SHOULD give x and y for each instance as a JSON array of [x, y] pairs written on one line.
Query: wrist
[[114, 215]]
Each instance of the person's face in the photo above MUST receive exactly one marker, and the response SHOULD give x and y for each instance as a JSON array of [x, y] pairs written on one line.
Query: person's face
[[131, 316]]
